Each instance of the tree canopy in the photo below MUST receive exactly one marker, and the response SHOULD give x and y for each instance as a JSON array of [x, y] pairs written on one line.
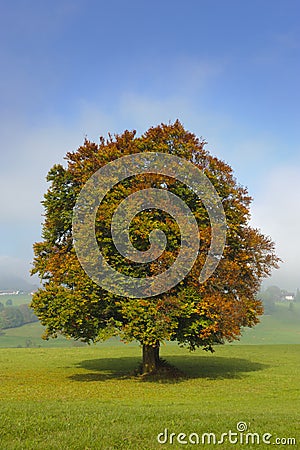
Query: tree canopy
[[193, 314]]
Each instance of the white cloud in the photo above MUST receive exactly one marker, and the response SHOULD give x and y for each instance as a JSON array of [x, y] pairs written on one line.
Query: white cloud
[[277, 213], [14, 268], [143, 112], [29, 155]]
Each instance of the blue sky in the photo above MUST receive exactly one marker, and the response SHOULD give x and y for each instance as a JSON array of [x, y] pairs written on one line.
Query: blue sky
[[229, 70]]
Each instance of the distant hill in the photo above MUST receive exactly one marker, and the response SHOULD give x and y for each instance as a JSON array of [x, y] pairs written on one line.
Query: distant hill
[[15, 283]]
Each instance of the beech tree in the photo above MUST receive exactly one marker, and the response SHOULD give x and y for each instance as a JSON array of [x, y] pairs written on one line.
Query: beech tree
[[194, 314]]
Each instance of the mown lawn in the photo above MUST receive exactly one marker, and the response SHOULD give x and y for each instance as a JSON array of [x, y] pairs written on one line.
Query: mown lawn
[[85, 398]]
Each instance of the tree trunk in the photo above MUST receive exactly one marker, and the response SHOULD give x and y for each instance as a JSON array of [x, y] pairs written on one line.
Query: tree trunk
[[150, 358]]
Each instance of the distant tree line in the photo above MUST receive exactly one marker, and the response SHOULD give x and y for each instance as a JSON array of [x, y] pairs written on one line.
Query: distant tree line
[[15, 316], [273, 295]]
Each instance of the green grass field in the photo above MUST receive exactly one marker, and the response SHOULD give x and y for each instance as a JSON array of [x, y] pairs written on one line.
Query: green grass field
[[17, 300], [85, 398], [282, 327]]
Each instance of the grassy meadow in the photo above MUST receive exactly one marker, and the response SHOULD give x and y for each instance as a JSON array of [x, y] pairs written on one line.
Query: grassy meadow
[[17, 300], [84, 398], [282, 327]]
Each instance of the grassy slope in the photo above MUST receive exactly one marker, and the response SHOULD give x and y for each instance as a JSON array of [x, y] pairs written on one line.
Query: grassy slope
[[283, 327], [17, 300], [30, 334], [83, 398]]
